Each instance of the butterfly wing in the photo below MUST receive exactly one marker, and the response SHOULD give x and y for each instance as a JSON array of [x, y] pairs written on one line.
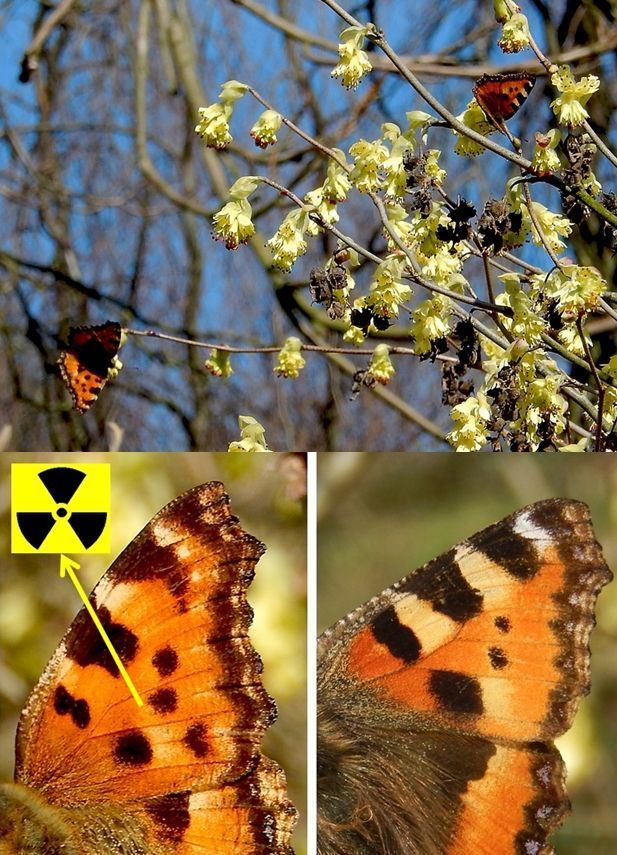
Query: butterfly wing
[[481, 655], [502, 95], [185, 768], [84, 365]]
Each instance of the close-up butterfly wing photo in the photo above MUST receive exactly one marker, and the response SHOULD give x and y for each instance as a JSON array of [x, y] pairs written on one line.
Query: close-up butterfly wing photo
[[184, 772], [439, 699]]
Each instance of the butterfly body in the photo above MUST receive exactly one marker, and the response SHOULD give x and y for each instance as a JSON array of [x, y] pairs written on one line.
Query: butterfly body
[[501, 95], [182, 774], [438, 700]]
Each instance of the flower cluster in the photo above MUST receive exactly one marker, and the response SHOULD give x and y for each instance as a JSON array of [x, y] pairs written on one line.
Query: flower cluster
[[430, 323], [569, 107], [474, 119], [219, 363], [553, 227], [354, 62], [575, 289], [387, 290], [380, 366], [233, 223], [369, 158], [290, 360], [471, 419], [527, 323], [545, 159], [515, 34], [265, 128], [337, 183], [253, 436], [213, 125], [288, 243]]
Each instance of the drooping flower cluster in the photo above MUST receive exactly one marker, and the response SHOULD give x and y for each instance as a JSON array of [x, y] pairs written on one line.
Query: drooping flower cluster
[[213, 125], [569, 107], [233, 224], [380, 366], [471, 419], [290, 360], [354, 62], [575, 289], [545, 159], [430, 323], [515, 34], [219, 363], [388, 290], [253, 436], [288, 243], [265, 128]]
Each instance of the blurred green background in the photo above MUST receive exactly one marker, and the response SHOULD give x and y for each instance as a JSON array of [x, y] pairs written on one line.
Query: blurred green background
[[382, 515], [266, 491]]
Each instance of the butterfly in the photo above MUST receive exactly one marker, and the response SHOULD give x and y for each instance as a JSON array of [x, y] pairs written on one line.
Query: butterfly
[[501, 95], [439, 699], [183, 774], [87, 361]]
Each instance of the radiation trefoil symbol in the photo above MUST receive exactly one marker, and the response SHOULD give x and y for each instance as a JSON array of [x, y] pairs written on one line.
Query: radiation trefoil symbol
[[60, 509]]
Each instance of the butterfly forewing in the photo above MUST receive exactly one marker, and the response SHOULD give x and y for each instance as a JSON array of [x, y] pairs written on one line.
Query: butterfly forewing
[[501, 95]]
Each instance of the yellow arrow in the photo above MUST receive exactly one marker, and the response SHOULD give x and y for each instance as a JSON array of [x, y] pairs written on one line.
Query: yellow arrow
[[68, 567]]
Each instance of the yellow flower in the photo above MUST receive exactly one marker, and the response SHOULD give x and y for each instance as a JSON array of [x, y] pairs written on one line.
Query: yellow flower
[[470, 417], [265, 128], [368, 160], [387, 290], [290, 360], [337, 183], [233, 223], [381, 365], [288, 243], [433, 170], [213, 125], [576, 289], [253, 436], [552, 226], [545, 159], [353, 335], [430, 322], [322, 206], [473, 118], [569, 107], [515, 35], [354, 62], [219, 363]]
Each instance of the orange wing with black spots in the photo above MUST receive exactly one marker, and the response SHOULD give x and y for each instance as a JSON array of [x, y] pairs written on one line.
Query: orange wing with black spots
[[501, 95], [85, 363], [460, 675], [182, 775]]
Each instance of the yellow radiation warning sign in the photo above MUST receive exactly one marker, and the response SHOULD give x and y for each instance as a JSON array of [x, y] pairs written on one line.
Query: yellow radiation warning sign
[[60, 508]]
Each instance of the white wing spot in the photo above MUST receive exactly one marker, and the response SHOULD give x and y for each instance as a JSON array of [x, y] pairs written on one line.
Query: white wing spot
[[525, 527]]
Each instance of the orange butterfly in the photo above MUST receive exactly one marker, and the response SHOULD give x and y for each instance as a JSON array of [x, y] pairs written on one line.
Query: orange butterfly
[[87, 360], [501, 95]]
